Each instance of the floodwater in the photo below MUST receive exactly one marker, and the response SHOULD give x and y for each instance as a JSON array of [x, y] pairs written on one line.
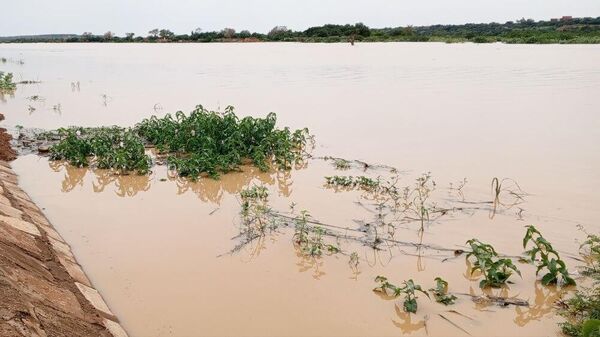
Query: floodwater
[[156, 246]]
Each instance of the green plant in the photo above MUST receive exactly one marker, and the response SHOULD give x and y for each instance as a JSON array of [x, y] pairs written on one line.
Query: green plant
[[409, 290], [548, 258], [205, 142], [109, 148], [256, 212], [440, 292], [496, 271], [341, 164], [361, 182], [212, 142], [310, 239], [592, 244], [583, 307], [6, 82]]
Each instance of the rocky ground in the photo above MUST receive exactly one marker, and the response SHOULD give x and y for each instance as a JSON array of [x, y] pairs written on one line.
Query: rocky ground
[[43, 290]]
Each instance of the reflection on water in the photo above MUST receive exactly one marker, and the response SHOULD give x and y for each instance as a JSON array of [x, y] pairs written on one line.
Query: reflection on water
[[405, 322], [208, 190], [543, 304]]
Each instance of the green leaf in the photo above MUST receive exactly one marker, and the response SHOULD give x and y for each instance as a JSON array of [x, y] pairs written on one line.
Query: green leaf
[[548, 279]]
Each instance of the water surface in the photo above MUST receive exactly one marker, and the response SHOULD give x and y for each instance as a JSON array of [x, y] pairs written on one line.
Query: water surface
[[457, 110]]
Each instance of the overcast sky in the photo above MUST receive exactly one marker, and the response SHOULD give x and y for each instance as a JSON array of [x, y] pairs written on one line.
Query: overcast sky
[[20, 17]]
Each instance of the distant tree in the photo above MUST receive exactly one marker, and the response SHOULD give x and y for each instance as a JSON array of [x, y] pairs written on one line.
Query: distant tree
[[278, 32], [166, 34], [228, 33], [108, 35], [408, 30], [86, 36], [197, 31], [245, 34], [153, 33], [129, 36], [362, 30]]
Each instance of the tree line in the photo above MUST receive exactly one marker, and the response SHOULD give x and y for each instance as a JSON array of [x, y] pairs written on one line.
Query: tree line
[[560, 30]]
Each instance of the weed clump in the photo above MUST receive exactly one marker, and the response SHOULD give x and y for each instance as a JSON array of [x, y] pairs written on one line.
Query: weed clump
[[548, 258], [409, 290], [6, 82], [109, 148], [205, 142], [361, 182], [582, 311], [211, 142], [496, 271], [440, 292]]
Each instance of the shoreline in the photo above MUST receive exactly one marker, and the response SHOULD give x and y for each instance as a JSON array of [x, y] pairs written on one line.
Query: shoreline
[[44, 290]]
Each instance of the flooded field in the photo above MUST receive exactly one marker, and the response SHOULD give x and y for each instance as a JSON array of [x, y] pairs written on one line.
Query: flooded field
[[158, 247]]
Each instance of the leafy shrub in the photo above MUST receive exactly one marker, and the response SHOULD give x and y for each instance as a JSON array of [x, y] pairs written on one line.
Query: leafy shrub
[[409, 289], [109, 148], [212, 142], [548, 258], [440, 292], [6, 82], [205, 142], [496, 271]]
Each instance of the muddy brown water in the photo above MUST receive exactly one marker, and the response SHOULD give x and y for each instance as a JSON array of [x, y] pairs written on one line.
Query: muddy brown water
[[150, 244]]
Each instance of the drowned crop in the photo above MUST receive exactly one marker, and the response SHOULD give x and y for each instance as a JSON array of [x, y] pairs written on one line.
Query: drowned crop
[[212, 142], [495, 270], [409, 289], [440, 292], [6, 82], [546, 257], [201, 143], [108, 148]]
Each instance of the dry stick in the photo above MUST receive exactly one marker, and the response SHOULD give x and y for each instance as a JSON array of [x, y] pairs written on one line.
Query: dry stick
[[502, 301], [460, 314], [405, 243], [454, 324]]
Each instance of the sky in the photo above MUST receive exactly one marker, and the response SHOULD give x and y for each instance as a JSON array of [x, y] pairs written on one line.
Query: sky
[[24, 17]]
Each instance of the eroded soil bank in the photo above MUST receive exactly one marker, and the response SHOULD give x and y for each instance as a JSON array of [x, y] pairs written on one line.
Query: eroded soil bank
[[43, 290]]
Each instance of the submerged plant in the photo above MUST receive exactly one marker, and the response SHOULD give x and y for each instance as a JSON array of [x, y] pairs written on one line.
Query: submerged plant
[[203, 143], [361, 182], [409, 289], [6, 82], [310, 239], [255, 212], [440, 292], [109, 148], [212, 142], [546, 257], [495, 270]]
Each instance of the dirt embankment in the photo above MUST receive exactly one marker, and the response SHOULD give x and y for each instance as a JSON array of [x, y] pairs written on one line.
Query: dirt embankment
[[6, 152], [43, 291]]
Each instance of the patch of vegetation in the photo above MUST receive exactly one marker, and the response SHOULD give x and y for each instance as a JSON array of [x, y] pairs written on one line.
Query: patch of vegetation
[[361, 182], [548, 258], [6, 82], [341, 164], [310, 238], [255, 212], [108, 148], [559, 30], [582, 311], [409, 289], [203, 143], [440, 292], [211, 142], [496, 271]]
